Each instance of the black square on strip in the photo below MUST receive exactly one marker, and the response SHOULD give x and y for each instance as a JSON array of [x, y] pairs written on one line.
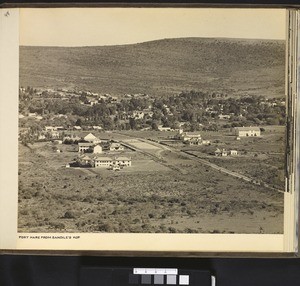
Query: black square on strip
[[146, 279], [133, 279]]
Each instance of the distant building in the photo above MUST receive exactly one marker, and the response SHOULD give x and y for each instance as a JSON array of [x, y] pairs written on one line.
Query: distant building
[[103, 162], [93, 102], [92, 138], [148, 112], [224, 116], [54, 128], [206, 142], [138, 114], [49, 128], [218, 152], [194, 141], [247, 131], [41, 137], [225, 153], [186, 137], [85, 160], [54, 134], [222, 153], [97, 127], [116, 147], [59, 128], [85, 147], [161, 128], [71, 138], [97, 149], [123, 161]]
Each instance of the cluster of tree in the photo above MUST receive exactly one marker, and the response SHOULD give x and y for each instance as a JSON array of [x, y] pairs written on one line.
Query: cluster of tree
[[200, 110]]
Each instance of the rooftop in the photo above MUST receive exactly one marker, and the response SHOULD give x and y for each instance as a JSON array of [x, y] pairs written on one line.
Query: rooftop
[[248, 128], [123, 159], [86, 144], [103, 159]]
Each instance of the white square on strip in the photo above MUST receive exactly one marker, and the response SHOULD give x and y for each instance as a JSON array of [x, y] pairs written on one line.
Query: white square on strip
[[184, 279], [171, 279]]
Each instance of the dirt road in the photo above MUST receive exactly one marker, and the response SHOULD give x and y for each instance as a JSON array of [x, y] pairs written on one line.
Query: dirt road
[[156, 154]]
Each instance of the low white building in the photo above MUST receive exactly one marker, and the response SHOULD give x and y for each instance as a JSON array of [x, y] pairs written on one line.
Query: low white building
[[116, 147], [247, 131], [95, 127], [161, 128], [225, 153], [224, 116], [123, 161], [103, 162], [188, 136]]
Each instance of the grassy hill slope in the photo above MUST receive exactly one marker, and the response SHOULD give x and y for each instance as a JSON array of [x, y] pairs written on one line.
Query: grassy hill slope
[[162, 67]]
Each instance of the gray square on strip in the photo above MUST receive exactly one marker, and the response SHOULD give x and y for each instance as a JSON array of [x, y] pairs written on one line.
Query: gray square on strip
[[158, 279], [184, 279], [171, 279], [146, 279]]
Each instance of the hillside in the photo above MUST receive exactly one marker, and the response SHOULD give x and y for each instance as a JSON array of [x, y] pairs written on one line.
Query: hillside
[[162, 67]]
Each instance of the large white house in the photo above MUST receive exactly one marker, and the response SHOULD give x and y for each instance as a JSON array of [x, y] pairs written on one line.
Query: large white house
[[92, 138], [247, 131]]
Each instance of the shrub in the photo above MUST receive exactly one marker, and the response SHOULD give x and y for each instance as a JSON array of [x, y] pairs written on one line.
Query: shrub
[[105, 227], [69, 214], [57, 225], [24, 212]]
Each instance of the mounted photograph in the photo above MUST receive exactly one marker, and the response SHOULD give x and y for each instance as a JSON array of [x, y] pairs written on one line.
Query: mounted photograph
[[152, 120]]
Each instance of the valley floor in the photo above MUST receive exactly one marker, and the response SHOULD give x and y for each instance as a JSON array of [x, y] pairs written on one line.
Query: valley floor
[[164, 191]]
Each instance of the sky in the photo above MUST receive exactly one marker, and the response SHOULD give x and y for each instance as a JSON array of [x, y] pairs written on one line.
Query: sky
[[117, 26]]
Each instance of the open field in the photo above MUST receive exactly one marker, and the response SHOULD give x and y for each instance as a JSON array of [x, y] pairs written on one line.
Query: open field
[[163, 191], [261, 158]]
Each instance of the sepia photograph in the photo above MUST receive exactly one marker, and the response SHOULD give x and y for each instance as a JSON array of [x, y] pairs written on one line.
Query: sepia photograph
[[152, 120]]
